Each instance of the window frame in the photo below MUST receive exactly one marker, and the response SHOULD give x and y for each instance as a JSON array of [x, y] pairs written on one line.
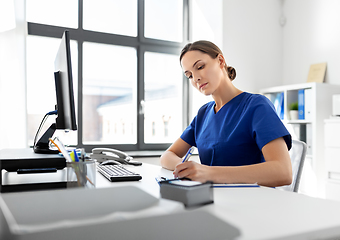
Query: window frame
[[142, 45]]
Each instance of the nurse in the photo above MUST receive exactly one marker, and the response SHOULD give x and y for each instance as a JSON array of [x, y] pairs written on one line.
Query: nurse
[[239, 136]]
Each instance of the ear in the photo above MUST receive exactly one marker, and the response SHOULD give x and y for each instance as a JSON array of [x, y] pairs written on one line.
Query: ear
[[221, 60]]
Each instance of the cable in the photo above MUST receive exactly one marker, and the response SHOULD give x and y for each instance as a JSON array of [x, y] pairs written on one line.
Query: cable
[[52, 112], [39, 129], [42, 123]]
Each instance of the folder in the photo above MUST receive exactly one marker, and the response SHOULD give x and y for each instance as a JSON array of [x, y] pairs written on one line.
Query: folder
[[278, 104], [301, 104], [308, 104]]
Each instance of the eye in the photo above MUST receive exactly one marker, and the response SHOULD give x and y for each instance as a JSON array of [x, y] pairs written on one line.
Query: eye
[[188, 75], [200, 67]]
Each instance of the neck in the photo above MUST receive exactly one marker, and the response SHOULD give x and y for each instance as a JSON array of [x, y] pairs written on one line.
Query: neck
[[224, 94]]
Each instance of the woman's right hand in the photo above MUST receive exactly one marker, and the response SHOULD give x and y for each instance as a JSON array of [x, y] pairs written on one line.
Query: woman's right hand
[[193, 171]]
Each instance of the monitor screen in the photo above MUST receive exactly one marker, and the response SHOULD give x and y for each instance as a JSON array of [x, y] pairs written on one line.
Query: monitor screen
[[65, 108], [64, 86]]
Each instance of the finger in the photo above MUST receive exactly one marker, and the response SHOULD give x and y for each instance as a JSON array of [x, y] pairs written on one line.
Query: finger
[[184, 173], [179, 167], [182, 169]]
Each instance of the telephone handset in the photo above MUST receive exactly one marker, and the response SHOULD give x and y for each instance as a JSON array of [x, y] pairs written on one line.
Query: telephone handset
[[104, 154]]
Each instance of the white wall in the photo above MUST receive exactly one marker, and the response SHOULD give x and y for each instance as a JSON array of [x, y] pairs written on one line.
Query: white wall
[[252, 42], [311, 35], [265, 54]]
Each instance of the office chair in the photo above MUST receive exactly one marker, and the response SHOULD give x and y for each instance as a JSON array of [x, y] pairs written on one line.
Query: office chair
[[297, 156]]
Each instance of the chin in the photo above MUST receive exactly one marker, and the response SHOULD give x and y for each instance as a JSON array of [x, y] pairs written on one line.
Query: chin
[[206, 93]]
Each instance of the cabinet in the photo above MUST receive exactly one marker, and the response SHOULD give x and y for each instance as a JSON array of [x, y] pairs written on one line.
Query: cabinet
[[332, 158], [317, 105]]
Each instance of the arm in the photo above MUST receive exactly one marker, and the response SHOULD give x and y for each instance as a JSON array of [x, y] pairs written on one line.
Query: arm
[[276, 171], [173, 155]]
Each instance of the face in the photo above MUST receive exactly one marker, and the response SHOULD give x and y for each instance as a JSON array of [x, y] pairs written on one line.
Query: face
[[204, 72]]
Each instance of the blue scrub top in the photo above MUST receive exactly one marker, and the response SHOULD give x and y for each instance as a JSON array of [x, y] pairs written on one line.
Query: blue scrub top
[[235, 135]]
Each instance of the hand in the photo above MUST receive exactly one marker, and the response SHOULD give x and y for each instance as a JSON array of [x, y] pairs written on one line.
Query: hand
[[193, 171]]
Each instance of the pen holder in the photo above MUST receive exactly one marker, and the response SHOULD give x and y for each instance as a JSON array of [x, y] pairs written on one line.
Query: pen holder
[[81, 174]]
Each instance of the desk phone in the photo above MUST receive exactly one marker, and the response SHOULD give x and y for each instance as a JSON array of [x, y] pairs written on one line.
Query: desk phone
[[104, 154]]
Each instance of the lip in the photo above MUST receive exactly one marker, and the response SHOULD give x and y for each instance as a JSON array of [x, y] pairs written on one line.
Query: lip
[[202, 85]]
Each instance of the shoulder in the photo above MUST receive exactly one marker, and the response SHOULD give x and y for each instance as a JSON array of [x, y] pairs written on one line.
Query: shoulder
[[257, 105], [258, 100]]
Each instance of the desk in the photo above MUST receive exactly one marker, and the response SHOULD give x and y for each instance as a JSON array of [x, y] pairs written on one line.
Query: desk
[[259, 213]]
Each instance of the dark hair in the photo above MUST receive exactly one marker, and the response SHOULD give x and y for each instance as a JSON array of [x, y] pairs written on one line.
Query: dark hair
[[212, 50]]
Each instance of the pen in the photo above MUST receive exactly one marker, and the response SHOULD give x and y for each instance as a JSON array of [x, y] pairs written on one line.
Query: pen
[[75, 156], [54, 144], [72, 156], [61, 148], [188, 155], [82, 154]]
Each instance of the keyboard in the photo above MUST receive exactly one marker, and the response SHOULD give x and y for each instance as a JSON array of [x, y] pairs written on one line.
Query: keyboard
[[118, 173]]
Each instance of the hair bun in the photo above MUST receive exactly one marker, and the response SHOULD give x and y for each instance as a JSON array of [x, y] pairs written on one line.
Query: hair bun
[[231, 72]]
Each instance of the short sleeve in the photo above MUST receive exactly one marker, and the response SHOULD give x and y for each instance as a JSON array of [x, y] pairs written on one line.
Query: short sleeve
[[267, 125], [189, 133]]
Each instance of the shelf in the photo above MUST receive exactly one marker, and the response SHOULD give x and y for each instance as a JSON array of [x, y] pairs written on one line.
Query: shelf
[[289, 87], [297, 121], [316, 101]]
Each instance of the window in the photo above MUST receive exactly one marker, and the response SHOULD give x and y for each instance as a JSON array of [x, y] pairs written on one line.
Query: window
[[109, 94], [164, 20], [130, 92], [163, 95], [63, 13], [108, 16]]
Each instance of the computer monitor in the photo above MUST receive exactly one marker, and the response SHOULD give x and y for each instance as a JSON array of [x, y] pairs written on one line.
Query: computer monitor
[[64, 86], [65, 108]]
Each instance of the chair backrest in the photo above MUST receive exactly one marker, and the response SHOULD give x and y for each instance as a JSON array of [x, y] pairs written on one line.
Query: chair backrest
[[297, 156]]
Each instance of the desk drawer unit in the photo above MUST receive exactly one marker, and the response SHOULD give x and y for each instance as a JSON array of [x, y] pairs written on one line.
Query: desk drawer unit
[[332, 158], [332, 133]]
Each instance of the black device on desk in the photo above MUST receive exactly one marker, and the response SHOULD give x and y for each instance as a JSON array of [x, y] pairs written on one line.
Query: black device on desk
[[20, 161], [65, 108], [110, 166], [115, 172]]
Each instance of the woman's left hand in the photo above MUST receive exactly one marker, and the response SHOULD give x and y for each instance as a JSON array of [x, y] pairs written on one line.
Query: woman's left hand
[[193, 171]]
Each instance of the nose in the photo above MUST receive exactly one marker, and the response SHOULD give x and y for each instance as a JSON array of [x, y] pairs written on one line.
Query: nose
[[196, 78]]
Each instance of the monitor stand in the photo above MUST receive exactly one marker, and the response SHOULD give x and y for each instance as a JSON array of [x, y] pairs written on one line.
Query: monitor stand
[[11, 160], [42, 146]]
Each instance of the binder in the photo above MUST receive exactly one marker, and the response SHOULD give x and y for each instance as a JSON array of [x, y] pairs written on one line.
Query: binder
[[278, 104], [308, 104], [301, 103]]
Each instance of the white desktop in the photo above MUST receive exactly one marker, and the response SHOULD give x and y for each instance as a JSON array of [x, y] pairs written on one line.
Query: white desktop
[[237, 213]]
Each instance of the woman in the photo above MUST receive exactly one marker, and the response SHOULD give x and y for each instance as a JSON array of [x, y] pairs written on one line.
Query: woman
[[239, 137]]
